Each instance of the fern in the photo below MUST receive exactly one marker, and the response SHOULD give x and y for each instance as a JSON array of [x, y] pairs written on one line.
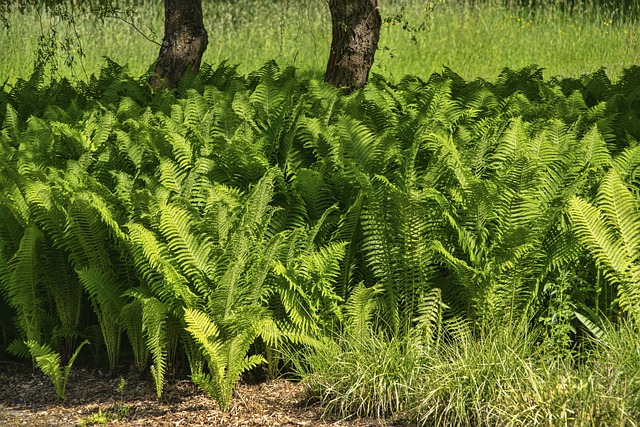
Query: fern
[[131, 321], [191, 253], [155, 265], [277, 211], [610, 230], [49, 362], [360, 309], [154, 326], [226, 360], [429, 321], [105, 292], [63, 287], [22, 285]]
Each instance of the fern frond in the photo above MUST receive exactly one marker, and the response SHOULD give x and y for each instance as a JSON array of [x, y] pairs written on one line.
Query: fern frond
[[86, 236], [49, 362], [190, 252], [62, 285], [590, 225], [358, 145], [172, 176], [106, 294], [154, 263], [622, 210], [611, 233], [22, 289], [194, 110], [205, 332], [360, 309], [227, 360], [627, 164], [429, 316], [154, 325], [131, 321]]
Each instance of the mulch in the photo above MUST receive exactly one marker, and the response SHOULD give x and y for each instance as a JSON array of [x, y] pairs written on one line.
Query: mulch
[[27, 398]]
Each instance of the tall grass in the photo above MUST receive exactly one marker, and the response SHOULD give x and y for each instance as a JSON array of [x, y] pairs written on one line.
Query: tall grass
[[476, 39], [500, 379], [479, 41]]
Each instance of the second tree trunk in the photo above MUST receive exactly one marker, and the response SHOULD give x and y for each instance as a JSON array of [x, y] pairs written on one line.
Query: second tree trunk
[[184, 43], [356, 31]]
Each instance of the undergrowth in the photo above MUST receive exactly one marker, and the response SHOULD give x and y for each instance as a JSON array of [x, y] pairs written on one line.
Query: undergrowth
[[458, 252]]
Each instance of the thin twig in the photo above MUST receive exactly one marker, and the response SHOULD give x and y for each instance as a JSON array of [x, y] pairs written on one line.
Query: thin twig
[[136, 28]]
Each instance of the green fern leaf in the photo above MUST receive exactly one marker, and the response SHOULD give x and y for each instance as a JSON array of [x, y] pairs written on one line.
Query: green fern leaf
[[106, 293], [154, 325]]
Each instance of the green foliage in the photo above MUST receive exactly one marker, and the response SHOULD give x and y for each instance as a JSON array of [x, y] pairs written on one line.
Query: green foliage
[[242, 216], [611, 232], [105, 293], [507, 379], [50, 363], [23, 283], [154, 326], [501, 379], [226, 360], [361, 372]]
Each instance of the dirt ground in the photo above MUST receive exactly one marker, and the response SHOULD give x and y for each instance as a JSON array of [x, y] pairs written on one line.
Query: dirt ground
[[27, 398]]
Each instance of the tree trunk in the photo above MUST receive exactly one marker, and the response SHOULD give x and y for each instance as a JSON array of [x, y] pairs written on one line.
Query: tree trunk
[[356, 30], [184, 43]]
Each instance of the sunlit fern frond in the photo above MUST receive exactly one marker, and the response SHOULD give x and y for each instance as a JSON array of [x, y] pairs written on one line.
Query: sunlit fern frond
[[428, 320], [622, 210], [594, 149], [98, 127], [221, 212], [154, 326], [226, 360], [627, 164], [195, 109], [45, 209], [257, 206], [182, 150], [358, 145], [190, 250], [379, 249], [610, 230], [378, 107], [349, 230], [10, 124], [154, 264], [86, 236], [171, 175]]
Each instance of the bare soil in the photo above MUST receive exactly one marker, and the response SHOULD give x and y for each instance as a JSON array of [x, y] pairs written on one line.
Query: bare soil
[[28, 398]]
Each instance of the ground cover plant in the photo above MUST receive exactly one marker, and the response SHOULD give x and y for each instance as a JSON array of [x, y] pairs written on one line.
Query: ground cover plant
[[447, 251]]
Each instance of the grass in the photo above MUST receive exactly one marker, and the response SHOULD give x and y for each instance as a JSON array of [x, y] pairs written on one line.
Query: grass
[[504, 378], [474, 41]]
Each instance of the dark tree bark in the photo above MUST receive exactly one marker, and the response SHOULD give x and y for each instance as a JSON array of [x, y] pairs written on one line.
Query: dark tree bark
[[184, 43], [356, 31]]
